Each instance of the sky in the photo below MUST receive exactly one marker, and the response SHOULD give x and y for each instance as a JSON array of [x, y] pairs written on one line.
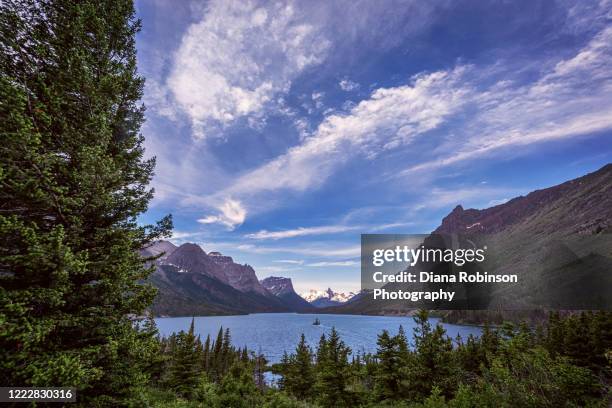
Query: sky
[[283, 130]]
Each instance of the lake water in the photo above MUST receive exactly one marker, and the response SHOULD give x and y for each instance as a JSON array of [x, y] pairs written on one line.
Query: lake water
[[273, 333]]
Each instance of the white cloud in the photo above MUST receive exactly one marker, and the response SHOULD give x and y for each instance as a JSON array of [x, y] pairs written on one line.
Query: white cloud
[[317, 98], [234, 61], [235, 50], [347, 85], [333, 263], [182, 235], [327, 251], [300, 232], [231, 214], [391, 117], [269, 269], [391, 225], [570, 100], [290, 261]]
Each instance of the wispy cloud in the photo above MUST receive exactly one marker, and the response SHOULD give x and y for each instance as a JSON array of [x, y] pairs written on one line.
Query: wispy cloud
[[323, 230], [570, 100], [269, 269], [234, 61], [300, 232], [348, 85], [290, 261], [314, 250], [333, 263], [231, 214], [389, 118]]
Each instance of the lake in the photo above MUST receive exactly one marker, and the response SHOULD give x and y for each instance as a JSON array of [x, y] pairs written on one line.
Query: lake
[[273, 333]]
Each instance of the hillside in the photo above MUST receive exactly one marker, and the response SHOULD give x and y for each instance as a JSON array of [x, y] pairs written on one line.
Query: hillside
[[561, 231], [192, 282], [283, 289]]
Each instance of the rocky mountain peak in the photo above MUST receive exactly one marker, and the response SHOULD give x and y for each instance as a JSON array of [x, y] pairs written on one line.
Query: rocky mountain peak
[[282, 288], [189, 247], [158, 247], [576, 206], [277, 285], [192, 258], [219, 258]]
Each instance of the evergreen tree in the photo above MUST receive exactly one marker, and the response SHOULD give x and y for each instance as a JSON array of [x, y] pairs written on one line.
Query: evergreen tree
[[226, 351], [389, 363], [216, 361], [244, 356], [433, 358], [297, 371], [206, 355], [185, 370], [332, 372], [73, 182]]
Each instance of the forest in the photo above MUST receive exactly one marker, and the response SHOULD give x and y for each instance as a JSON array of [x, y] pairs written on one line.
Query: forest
[[562, 363], [74, 291]]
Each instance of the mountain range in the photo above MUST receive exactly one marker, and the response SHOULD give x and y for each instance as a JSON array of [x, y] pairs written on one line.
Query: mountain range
[[190, 282], [193, 282], [326, 298], [557, 234], [540, 224]]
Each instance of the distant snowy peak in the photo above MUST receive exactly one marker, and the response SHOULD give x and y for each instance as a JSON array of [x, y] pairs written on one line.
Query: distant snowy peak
[[328, 294]]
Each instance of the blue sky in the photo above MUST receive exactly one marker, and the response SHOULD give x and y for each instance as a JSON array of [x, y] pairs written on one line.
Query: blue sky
[[283, 130]]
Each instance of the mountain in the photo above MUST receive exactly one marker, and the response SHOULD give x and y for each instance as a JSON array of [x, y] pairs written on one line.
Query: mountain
[[326, 298], [191, 257], [159, 247], [549, 235], [579, 206], [283, 289], [190, 282]]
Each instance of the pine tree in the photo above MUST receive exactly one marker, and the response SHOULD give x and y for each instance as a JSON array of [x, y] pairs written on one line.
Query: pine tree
[[226, 351], [185, 369], [434, 363], [206, 355], [297, 371], [259, 369], [321, 349], [389, 363], [332, 372], [73, 183], [216, 361]]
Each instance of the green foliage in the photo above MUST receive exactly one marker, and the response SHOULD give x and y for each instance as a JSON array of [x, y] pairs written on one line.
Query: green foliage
[[185, 363], [434, 364], [392, 376], [298, 372], [74, 181], [332, 372], [508, 367]]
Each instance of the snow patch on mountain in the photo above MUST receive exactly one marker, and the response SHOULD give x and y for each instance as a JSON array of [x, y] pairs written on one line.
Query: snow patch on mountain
[[328, 294]]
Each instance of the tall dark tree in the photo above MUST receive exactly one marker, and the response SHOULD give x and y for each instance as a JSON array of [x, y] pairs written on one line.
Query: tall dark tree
[[216, 359], [388, 367], [185, 369], [73, 182], [434, 363], [332, 372], [298, 371]]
